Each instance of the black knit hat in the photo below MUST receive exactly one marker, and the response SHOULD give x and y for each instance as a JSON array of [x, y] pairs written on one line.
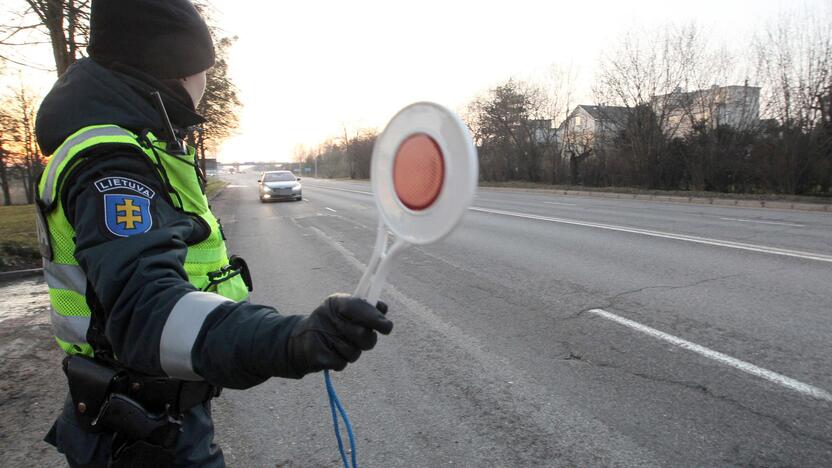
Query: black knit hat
[[164, 38]]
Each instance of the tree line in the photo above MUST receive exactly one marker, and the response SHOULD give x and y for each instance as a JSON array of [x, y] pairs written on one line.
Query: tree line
[[20, 157], [345, 156], [664, 134], [63, 25]]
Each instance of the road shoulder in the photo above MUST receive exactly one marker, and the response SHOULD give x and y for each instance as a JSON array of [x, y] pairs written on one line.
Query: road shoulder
[[33, 386]]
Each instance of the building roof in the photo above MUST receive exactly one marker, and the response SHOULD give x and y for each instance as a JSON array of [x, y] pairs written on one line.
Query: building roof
[[617, 114], [679, 96]]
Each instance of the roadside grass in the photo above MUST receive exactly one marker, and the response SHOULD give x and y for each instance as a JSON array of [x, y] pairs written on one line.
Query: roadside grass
[[18, 235], [17, 222], [18, 238], [213, 186], [672, 193]]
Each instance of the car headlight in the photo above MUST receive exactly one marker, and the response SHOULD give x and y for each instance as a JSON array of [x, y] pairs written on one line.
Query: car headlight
[[296, 188], [267, 189]]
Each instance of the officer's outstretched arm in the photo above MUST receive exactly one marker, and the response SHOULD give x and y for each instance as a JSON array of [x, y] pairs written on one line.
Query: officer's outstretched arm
[[132, 244], [333, 335]]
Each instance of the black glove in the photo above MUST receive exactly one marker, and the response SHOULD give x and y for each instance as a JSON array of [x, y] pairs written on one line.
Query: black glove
[[335, 334]]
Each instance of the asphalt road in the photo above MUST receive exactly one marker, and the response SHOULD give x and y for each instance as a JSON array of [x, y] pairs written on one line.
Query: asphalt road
[[550, 331]]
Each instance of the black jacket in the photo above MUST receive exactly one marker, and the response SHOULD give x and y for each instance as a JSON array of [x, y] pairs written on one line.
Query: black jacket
[[138, 279]]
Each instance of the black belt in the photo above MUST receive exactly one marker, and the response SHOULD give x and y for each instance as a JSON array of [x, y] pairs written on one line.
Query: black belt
[[136, 406], [158, 394]]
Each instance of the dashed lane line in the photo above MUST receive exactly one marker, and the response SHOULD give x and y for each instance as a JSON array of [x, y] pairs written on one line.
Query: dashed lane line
[[779, 379], [341, 189], [756, 221]]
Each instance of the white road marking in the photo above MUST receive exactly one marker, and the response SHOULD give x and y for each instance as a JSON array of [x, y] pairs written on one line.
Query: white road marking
[[557, 203], [771, 376], [776, 223], [238, 186], [341, 189], [494, 364], [330, 209], [647, 232], [667, 235], [305, 199]]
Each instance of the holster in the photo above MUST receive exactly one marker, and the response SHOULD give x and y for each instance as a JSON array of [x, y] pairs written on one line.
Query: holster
[[90, 385], [134, 406], [126, 417]]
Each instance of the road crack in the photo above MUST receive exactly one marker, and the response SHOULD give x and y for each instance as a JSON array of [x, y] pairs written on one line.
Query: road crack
[[778, 422], [614, 298], [697, 387]]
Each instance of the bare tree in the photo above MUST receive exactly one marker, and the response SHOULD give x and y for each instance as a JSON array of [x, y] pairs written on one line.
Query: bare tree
[[559, 85], [332, 159], [30, 160], [65, 25], [512, 124], [359, 152], [300, 153], [220, 105], [62, 23], [6, 128], [20, 157], [794, 60], [646, 73], [576, 143], [343, 156]]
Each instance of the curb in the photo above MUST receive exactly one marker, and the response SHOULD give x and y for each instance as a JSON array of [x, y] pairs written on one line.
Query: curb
[[219, 192], [6, 276], [728, 202], [214, 196]]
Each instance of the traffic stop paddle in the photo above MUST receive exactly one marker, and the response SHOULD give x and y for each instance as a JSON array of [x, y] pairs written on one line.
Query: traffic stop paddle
[[424, 175]]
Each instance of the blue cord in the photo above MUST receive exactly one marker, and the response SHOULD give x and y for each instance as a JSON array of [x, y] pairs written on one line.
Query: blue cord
[[334, 403], [335, 418]]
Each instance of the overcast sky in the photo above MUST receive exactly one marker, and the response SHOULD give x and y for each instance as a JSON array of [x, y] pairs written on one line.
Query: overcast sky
[[307, 70]]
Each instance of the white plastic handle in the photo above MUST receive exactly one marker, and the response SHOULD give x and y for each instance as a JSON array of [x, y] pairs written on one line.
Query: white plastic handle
[[369, 288]]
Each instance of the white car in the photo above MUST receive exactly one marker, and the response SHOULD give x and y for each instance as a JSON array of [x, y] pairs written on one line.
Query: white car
[[279, 185]]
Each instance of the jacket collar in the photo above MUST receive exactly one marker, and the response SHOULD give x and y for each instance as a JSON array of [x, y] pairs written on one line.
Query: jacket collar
[[176, 99]]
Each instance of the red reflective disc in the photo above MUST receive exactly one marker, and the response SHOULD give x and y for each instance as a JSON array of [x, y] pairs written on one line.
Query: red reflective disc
[[418, 171]]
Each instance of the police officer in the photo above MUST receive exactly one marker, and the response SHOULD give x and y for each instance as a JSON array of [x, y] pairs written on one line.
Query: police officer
[[146, 302]]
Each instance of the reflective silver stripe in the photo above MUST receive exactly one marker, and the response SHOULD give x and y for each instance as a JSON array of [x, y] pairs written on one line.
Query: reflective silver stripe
[[63, 152], [71, 329], [181, 330], [61, 276]]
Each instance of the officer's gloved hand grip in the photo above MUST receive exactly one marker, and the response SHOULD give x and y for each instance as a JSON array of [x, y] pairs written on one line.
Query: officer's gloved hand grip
[[335, 334]]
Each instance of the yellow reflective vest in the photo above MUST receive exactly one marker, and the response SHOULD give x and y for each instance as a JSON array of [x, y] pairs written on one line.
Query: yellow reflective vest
[[70, 314]]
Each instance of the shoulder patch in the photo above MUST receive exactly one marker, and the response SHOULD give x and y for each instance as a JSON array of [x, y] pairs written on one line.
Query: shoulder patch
[[127, 215], [123, 183]]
